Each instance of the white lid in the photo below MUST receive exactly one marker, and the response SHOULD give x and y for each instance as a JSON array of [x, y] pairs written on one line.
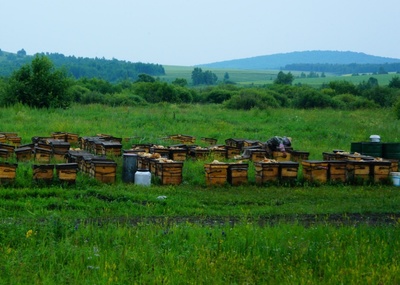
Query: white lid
[[374, 137]]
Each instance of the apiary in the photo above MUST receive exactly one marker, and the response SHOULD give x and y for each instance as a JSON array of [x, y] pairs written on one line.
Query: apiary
[[266, 171], [170, 173], [337, 170], [216, 173], [43, 171], [66, 172], [315, 170]]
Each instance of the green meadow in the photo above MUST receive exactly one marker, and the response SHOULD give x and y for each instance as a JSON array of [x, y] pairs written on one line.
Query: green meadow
[[96, 233]]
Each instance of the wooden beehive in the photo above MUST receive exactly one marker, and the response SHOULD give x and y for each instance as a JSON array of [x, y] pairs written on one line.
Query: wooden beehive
[[258, 154], [337, 170], [10, 148], [358, 170], [266, 172], [43, 171], [23, 154], [315, 170], [72, 138], [238, 173], [42, 155], [394, 165], [145, 147], [170, 173], [3, 138], [59, 136], [4, 154], [183, 138], [66, 172], [143, 162], [216, 173], [178, 154], [103, 171], [210, 141], [218, 152], [299, 156], [288, 170], [235, 143], [8, 171], [200, 153], [14, 140], [380, 170], [111, 148], [162, 151], [281, 156], [231, 151]]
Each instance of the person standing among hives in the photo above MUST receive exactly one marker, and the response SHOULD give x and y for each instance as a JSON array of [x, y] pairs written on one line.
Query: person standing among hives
[[277, 144]]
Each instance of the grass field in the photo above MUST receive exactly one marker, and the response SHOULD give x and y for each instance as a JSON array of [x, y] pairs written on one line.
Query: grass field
[[94, 233], [262, 77]]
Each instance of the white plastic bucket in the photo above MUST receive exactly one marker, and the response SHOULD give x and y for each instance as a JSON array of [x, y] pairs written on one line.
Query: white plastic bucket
[[395, 178], [143, 177]]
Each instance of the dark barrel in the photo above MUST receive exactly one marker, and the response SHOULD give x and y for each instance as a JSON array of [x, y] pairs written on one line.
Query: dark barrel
[[391, 150], [129, 167], [372, 149]]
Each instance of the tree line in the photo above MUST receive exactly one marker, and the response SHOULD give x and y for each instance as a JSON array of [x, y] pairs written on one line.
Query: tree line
[[40, 84], [339, 69]]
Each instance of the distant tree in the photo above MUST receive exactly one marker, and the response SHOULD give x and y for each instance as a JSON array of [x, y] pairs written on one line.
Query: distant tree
[[39, 85], [21, 53], [180, 82], [226, 76], [197, 76], [207, 77], [394, 82], [382, 70], [145, 78], [282, 78]]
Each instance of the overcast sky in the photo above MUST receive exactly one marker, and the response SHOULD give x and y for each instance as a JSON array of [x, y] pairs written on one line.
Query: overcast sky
[[185, 32]]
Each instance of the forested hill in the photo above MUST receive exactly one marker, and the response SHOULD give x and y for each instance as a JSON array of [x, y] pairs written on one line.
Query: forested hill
[[111, 70], [289, 61]]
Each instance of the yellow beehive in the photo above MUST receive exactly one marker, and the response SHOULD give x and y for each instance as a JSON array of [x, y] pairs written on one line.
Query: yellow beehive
[[337, 170], [43, 172], [216, 173], [281, 156], [288, 170], [7, 171], [170, 173], [266, 171], [66, 172], [315, 170], [238, 173], [103, 171]]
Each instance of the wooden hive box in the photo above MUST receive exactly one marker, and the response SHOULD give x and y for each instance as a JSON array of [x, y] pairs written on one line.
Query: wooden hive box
[[183, 138], [111, 148], [59, 136], [218, 152], [315, 170], [43, 145], [258, 154], [42, 155], [43, 171], [238, 173], [4, 154], [103, 171], [163, 151], [333, 156], [8, 171], [380, 170], [66, 172], [210, 141], [14, 140], [72, 138], [3, 138], [96, 146], [170, 173], [145, 147], [200, 153], [250, 143], [23, 154], [231, 151], [394, 166], [337, 170], [60, 146], [288, 170], [10, 148], [153, 165], [299, 156], [358, 170], [235, 143], [216, 173], [281, 156], [9, 134], [143, 162], [266, 172], [178, 154]]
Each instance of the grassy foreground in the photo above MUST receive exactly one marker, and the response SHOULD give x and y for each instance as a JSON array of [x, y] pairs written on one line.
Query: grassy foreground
[[91, 233]]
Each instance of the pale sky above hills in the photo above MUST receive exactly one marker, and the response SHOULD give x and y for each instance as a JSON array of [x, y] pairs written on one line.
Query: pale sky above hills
[[184, 32]]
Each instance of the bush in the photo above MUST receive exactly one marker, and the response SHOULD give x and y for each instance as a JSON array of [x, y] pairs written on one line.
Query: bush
[[252, 98], [311, 98]]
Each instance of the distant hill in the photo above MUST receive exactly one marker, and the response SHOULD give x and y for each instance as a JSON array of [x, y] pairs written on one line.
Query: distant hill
[[281, 60]]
